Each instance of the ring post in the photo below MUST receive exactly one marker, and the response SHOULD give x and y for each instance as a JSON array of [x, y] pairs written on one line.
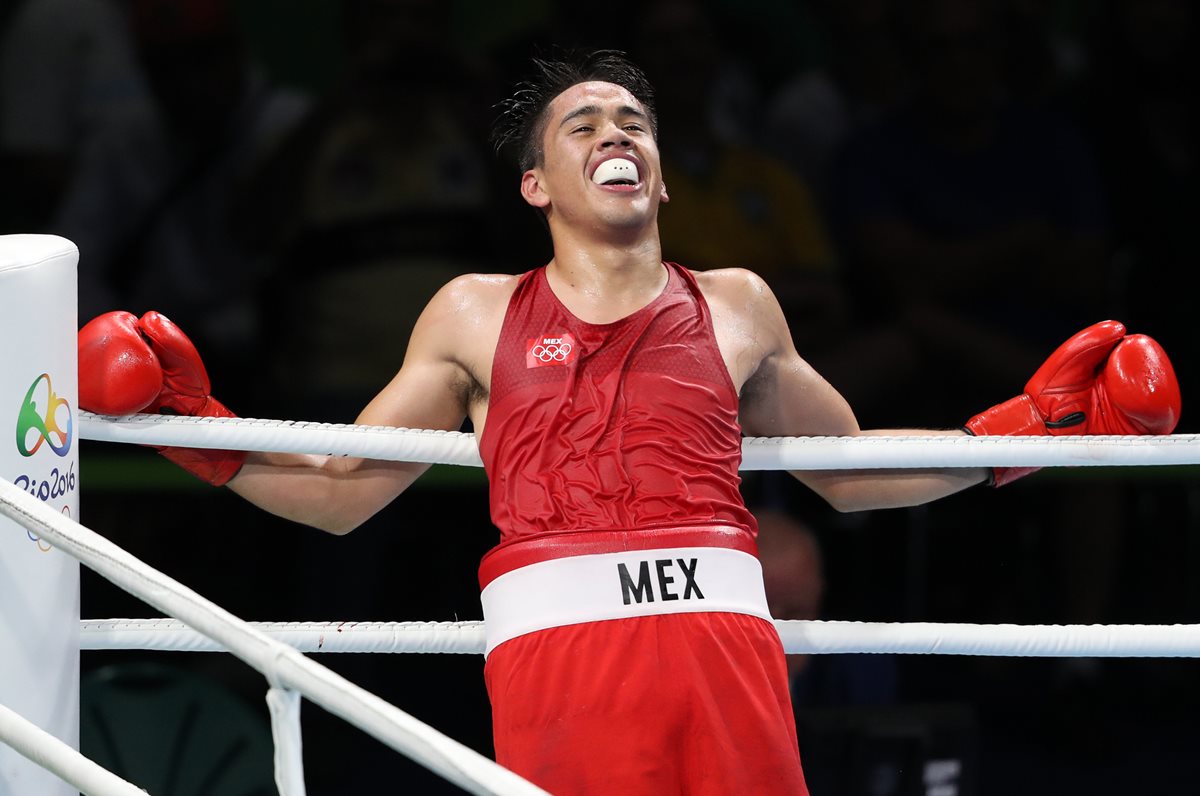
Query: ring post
[[39, 452]]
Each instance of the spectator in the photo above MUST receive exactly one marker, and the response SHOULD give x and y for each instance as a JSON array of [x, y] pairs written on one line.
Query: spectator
[[794, 578]]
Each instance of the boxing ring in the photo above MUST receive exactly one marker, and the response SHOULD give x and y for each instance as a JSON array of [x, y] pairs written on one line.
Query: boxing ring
[[278, 650]]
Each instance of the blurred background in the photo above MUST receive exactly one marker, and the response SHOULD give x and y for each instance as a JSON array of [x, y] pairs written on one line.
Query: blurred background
[[939, 191]]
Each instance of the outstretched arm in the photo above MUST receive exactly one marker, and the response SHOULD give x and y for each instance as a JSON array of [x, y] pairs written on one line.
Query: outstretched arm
[[337, 494], [1100, 381], [782, 395], [786, 397], [130, 364], [431, 391]]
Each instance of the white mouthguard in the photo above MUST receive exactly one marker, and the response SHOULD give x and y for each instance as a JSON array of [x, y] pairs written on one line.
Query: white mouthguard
[[615, 169]]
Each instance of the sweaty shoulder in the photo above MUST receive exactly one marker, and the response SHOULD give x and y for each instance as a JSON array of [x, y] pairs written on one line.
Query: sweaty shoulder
[[473, 299], [736, 290], [747, 320], [462, 322]]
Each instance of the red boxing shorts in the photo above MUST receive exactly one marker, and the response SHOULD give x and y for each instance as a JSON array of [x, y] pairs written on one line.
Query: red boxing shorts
[[641, 672]]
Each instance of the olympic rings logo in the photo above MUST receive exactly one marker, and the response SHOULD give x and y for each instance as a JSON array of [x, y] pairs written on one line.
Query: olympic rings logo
[[42, 545], [45, 425], [554, 352], [554, 349]]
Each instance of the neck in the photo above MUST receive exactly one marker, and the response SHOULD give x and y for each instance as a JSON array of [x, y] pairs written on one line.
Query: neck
[[603, 283], [613, 262]]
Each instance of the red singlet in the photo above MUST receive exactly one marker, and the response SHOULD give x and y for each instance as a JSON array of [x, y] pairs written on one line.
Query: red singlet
[[603, 438]]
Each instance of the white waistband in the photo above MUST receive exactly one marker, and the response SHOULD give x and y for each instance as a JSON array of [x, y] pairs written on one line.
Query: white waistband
[[591, 588]]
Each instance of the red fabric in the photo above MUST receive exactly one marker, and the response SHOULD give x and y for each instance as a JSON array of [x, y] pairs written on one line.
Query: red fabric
[[683, 703], [634, 427], [624, 436], [549, 546]]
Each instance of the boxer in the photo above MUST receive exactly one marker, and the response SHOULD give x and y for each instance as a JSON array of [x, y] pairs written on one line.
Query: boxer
[[630, 649]]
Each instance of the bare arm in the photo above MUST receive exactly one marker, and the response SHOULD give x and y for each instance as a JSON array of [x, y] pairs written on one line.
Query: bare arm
[[433, 390], [782, 395], [860, 490]]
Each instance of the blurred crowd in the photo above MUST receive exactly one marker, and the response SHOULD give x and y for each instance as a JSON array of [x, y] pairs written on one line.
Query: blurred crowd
[[938, 191]]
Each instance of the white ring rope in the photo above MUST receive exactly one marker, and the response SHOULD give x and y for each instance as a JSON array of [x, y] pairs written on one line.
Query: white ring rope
[[761, 453], [799, 637], [758, 453], [168, 635], [54, 755], [281, 664], [285, 436]]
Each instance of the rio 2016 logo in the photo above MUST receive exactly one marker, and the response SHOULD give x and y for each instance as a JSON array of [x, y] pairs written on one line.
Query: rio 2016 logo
[[43, 424], [45, 419]]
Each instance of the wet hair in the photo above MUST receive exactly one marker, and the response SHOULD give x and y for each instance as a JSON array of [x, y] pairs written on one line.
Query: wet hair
[[519, 128]]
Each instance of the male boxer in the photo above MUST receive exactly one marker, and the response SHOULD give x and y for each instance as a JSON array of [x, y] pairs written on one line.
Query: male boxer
[[629, 643]]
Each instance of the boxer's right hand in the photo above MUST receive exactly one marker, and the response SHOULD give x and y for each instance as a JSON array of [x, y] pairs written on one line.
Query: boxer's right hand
[[129, 365]]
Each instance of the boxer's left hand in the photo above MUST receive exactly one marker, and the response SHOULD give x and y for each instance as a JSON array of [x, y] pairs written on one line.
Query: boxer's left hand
[[1101, 381]]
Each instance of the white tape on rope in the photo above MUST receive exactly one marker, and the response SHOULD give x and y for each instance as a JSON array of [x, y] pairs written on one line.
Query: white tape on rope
[[758, 453], [799, 637]]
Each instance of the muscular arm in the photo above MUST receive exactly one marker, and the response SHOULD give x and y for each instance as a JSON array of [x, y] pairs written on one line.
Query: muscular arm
[[433, 390], [781, 395]]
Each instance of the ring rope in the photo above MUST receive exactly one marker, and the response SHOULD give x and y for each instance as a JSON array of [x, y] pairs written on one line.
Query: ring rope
[[61, 759], [167, 635], [758, 453], [281, 664], [798, 636]]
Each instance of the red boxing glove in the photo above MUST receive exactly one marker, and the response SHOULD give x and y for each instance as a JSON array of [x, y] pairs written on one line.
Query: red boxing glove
[[1101, 381], [118, 373], [161, 353], [185, 380]]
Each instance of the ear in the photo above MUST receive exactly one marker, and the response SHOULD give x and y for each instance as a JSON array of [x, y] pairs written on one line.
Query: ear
[[663, 194], [532, 191]]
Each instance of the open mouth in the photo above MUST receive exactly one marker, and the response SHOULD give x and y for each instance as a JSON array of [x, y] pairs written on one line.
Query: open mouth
[[617, 172]]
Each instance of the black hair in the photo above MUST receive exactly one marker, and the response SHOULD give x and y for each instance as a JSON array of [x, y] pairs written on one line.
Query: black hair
[[522, 121]]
